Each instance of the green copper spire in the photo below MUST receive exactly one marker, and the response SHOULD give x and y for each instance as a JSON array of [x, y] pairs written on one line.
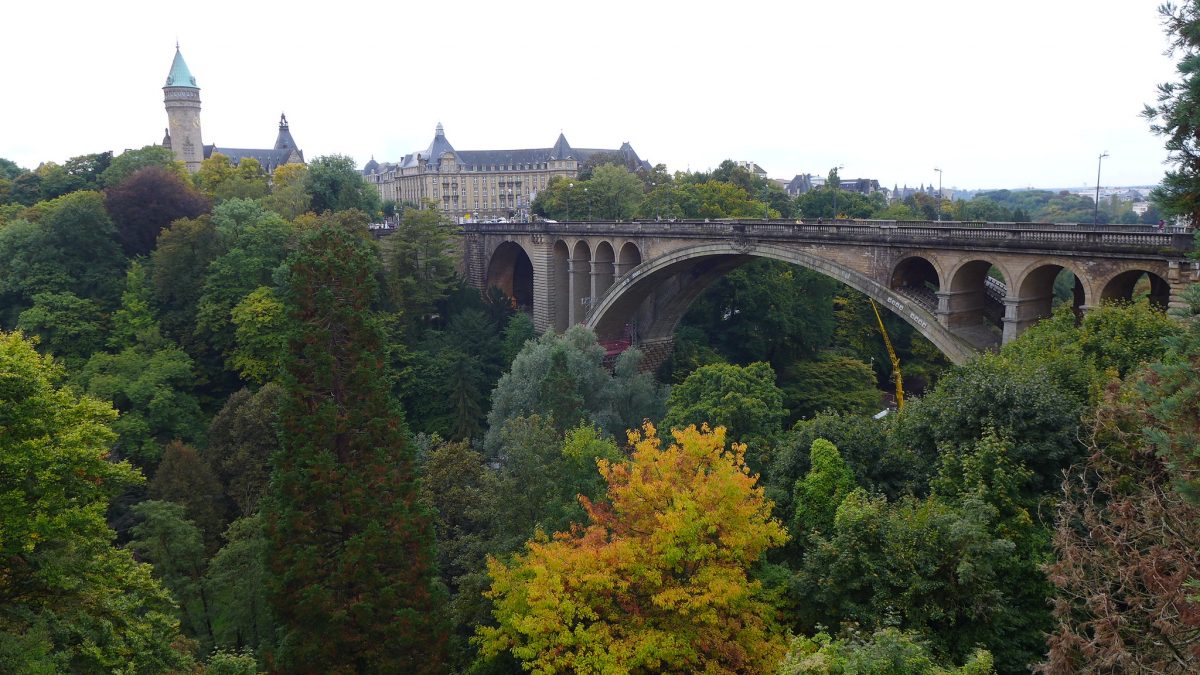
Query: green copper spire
[[180, 76]]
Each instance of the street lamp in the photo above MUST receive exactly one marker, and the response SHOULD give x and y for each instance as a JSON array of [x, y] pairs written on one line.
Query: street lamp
[[834, 171], [657, 206], [589, 202], [570, 187], [939, 214], [1096, 211]]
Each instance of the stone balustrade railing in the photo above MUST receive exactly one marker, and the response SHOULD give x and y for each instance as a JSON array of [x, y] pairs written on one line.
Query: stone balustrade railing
[[1171, 241]]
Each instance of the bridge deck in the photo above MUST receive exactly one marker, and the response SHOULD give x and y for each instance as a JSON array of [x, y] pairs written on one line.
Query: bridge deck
[[1082, 237]]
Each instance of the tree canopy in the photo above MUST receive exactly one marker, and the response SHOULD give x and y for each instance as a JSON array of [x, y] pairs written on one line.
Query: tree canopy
[[657, 580]]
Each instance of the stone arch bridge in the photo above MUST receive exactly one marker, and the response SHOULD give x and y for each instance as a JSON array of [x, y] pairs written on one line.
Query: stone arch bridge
[[965, 286]]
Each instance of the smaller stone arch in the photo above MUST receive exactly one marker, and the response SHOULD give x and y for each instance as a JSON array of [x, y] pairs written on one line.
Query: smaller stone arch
[[603, 269], [972, 302], [629, 258], [1135, 284], [580, 282], [1037, 284], [560, 289], [1031, 296], [917, 278]]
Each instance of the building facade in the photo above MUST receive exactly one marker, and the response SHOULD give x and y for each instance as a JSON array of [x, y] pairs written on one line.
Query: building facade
[[181, 96], [482, 184], [803, 183]]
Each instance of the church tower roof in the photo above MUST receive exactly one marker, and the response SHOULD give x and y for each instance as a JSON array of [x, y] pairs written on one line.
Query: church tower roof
[[284, 140], [180, 76]]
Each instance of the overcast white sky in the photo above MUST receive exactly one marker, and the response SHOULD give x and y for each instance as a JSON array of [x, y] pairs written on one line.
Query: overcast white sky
[[1010, 94]]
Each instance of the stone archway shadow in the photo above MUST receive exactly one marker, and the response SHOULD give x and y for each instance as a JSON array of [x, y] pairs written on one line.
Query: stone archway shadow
[[655, 294]]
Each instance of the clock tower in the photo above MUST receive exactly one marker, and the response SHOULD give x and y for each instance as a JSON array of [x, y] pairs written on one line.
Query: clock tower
[[182, 99]]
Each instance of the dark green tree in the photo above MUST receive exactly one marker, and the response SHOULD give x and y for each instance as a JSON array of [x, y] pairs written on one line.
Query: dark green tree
[[237, 589], [863, 442], [455, 481], [744, 400], [256, 242], [829, 382], [1021, 402], [180, 258], [615, 191], [335, 184], [69, 600], [241, 440], [766, 310], [147, 377], [88, 168], [184, 477], [351, 543], [564, 374], [165, 538], [419, 259], [69, 327], [517, 332], [818, 495], [66, 245], [130, 162], [56, 181]]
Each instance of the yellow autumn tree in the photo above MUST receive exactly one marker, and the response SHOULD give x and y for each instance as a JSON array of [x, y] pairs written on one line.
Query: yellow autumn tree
[[657, 582]]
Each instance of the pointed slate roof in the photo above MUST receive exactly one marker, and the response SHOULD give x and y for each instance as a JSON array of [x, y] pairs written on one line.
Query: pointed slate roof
[[180, 76], [268, 159], [561, 149], [526, 157], [284, 140], [439, 146]]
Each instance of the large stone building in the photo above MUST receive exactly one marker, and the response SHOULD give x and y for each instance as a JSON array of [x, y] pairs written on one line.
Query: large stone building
[[183, 136], [482, 184]]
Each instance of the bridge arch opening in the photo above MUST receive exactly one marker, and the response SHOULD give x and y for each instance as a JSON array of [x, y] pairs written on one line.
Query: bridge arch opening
[[917, 278], [580, 267], [666, 286], [562, 299], [1135, 285], [511, 271], [1048, 286], [973, 303], [629, 258], [603, 269]]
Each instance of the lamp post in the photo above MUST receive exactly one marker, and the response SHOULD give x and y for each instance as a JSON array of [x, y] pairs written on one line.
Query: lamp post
[[939, 213], [834, 172], [1096, 211], [589, 202], [570, 187], [657, 208]]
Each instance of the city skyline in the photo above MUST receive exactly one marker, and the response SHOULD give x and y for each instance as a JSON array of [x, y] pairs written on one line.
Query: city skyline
[[1026, 97]]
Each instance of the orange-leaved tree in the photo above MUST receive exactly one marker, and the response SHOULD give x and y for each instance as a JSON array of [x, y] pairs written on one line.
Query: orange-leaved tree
[[657, 582]]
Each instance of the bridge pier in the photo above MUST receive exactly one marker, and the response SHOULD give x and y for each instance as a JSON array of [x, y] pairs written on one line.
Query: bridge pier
[[1021, 313], [656, 352], [579, 285], [956, 309]]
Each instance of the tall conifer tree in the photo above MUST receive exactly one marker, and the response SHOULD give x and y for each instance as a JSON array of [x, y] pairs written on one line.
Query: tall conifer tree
[[350, 546]]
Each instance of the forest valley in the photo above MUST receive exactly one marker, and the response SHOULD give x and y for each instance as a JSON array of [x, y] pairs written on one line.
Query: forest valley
[[239, 434]]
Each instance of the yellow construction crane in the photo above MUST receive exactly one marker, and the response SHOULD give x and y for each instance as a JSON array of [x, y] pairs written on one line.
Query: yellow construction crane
[[891, 355]]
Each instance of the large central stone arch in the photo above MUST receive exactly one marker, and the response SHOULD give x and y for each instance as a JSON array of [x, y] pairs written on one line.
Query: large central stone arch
[[654, 295]]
